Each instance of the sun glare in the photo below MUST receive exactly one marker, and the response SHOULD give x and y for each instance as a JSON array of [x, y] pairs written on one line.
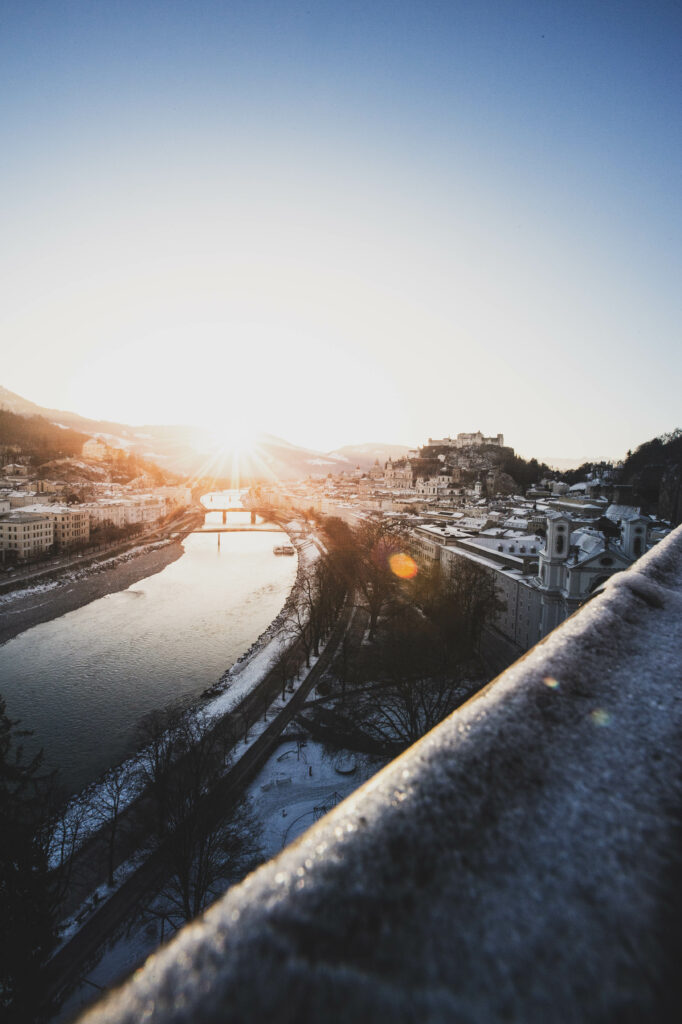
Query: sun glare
[[234, 437], [403, 566]]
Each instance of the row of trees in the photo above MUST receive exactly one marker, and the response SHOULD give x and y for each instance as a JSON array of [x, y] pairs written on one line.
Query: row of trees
[[182, 756], [29, 893], [38, 438], [424, 630]]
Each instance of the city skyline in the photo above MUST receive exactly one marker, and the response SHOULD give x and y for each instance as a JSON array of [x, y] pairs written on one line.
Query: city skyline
[[346, 223]]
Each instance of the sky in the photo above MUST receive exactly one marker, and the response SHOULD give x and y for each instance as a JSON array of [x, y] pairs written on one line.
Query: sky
[[341, 222]]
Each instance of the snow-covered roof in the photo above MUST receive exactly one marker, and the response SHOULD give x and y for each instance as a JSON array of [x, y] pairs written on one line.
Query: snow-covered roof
[[587, 541], [624, 513], [621, 513]]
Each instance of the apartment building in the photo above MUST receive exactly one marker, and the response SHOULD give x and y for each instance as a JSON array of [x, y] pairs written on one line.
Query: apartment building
[[71, 525], [24, 535]]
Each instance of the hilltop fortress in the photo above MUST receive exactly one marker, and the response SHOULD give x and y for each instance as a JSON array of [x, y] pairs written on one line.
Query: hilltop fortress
[[467, 440]]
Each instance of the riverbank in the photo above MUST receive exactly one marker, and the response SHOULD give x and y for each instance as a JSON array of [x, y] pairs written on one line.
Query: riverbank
[[73, 588]]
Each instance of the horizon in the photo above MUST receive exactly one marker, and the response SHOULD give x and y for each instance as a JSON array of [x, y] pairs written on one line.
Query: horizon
[[542, 458], [348, 221]]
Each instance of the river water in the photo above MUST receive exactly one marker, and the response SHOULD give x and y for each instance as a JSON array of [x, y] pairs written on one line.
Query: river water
[[83, 681]]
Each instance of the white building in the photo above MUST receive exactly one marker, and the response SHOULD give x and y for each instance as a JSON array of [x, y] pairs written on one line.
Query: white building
[[71, 523], [20, 499], [541, 581], [105, 513], [573, 563], [178, 496]]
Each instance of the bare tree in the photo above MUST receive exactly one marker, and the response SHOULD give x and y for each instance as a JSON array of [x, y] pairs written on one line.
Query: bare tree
[[298, 627], [285, 668], [109, 801], [377, 541], [416, 680], [222, 854], [61, 834], [401, 712], [318, 596], [198, 847], [159, 739], [190, 846], [458, 604]]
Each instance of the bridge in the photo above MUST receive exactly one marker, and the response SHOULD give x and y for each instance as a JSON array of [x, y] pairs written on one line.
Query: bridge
[[233, 508], [239, 529], [254, 526]]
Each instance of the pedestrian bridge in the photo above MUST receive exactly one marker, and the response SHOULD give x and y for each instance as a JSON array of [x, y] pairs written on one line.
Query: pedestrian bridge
[[520, 863]]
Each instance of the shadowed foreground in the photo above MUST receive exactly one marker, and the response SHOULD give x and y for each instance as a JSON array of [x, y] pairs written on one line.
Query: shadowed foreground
[[522, 862]]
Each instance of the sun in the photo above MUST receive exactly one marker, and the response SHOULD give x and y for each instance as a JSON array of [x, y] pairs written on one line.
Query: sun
[[234, 437]]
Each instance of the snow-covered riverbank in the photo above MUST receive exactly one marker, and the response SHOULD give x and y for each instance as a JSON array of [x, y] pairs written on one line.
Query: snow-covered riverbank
[[218, 700], [47, 600]]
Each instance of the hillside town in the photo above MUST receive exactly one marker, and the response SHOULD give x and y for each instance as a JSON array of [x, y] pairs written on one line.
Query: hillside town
[[548, 547], [85, 500]]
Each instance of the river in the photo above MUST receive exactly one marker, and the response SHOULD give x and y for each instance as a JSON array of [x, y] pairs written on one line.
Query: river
[[82, 682]]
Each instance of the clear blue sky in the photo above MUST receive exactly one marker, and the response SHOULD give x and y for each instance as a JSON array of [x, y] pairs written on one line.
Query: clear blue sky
[[370, 220]]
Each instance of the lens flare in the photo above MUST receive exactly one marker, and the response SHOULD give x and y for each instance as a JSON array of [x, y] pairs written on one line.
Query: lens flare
[[402, 566], [551, 682]]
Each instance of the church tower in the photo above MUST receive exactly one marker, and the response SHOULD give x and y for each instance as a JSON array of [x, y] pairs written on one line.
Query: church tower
[[633, 536], [553, 557], [553, 571]]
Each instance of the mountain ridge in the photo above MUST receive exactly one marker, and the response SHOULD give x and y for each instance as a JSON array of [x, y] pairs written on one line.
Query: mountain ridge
[[193, 450]]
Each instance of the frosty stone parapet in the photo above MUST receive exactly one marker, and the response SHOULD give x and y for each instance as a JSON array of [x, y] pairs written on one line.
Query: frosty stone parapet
[[521, 862]]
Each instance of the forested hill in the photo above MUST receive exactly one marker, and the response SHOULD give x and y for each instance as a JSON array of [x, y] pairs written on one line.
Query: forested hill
[[37, 437], [654, 470]]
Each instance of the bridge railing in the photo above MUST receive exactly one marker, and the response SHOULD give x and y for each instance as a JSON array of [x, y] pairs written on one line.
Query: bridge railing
[[521, 862]]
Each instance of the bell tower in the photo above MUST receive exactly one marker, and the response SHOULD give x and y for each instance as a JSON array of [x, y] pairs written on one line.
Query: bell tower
[[552, 568], [633, 536], [553, 557]]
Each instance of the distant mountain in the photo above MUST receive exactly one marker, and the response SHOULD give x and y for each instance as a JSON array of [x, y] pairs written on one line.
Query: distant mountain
[[365, 455], [195, 451]]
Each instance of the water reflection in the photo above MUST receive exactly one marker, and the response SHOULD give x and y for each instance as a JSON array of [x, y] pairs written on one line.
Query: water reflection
[[83, 681]]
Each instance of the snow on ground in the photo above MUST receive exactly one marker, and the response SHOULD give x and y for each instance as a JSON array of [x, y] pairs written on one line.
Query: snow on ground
[[255, 663], [302, 781], [296, 786], [83, 572]]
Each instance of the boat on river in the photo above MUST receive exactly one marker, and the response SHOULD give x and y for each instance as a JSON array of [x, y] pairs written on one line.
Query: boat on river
[[283, 549]]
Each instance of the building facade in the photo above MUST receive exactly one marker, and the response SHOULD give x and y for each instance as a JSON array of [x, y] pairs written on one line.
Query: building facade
[[24, 535]]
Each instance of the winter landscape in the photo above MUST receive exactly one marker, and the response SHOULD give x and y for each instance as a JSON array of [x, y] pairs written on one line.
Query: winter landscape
[[340, 513]]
